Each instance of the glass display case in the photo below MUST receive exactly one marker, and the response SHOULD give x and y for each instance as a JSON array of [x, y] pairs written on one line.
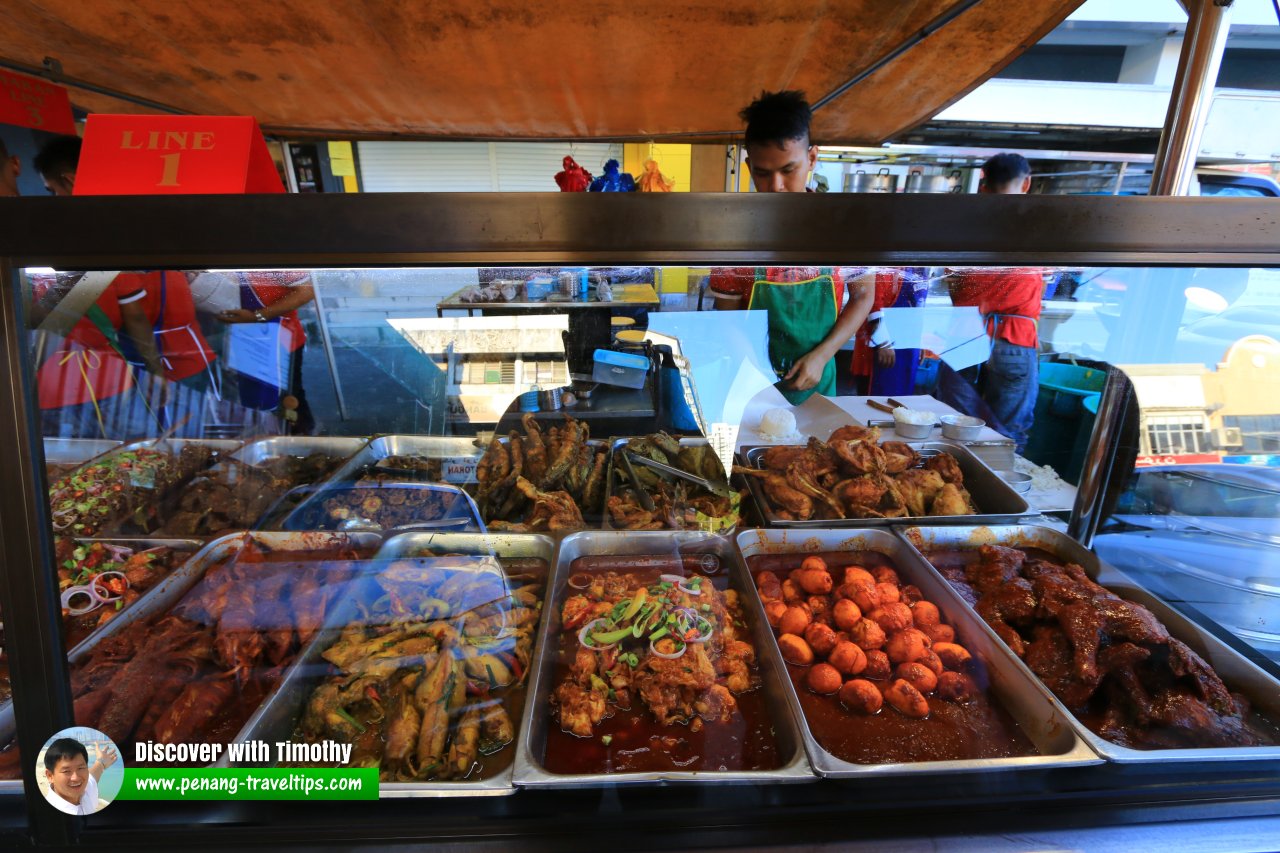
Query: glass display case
[[527, 506]]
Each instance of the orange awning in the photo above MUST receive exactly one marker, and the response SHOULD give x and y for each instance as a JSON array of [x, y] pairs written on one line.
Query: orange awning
[[524, 69]]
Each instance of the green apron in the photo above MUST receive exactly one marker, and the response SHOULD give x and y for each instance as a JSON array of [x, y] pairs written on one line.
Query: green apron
[[800, 316]]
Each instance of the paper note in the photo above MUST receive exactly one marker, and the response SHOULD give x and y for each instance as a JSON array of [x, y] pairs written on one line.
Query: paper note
[[957, 335], [255, 349]]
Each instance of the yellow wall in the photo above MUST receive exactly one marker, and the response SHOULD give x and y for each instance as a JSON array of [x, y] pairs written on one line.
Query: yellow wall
[[673, 160], [1248, 380]]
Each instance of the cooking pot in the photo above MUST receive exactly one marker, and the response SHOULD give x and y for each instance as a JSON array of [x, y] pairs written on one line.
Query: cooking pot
[[919, 182], [862, 182]]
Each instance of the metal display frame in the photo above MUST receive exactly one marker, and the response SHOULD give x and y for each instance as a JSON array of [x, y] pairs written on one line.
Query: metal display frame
[[494, 229]]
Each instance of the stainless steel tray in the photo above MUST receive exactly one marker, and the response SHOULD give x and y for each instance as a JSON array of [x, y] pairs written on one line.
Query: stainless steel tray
[[174, 445], [1029, 702], [280, 446], [459, 449], [529, 771], [170, 591], [76, 451], [461, 513], [613, 486], [999, 503], [1238, 672], [7, 725], [277, 719]]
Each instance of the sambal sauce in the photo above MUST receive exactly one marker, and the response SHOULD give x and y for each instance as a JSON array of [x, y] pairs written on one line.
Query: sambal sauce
[[630, 735]]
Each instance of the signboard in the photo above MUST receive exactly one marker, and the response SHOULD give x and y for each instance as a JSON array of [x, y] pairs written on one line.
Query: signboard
[[460, 470], [174, 155], [1178, 459], [31, 102]]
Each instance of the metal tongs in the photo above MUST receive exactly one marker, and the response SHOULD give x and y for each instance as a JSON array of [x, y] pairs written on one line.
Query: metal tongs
[[646, 502], [718, 488]]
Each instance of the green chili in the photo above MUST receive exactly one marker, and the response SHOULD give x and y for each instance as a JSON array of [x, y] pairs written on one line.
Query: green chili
[[350, 719]]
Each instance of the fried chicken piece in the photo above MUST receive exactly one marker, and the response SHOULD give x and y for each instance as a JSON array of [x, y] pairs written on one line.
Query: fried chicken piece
[[564, 451], [781, 493], [951, 501], [781, 456], [948, 468], [627, 514], [800, 479], [493, 467], [580, 709], [554, 511], [919, 488], [899, 457], [852, 432], [859, 457], [535, 448], [593, 491]]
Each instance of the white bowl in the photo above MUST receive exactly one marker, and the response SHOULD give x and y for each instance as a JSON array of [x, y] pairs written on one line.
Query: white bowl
[[1018, 481]]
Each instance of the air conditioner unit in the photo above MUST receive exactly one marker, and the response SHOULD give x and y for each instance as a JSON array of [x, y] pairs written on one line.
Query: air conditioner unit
[[1227, 437]]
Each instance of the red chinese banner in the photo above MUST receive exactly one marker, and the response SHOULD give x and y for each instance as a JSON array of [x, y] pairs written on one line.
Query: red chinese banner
[[1178, 459], [174, 155], [31, 102]]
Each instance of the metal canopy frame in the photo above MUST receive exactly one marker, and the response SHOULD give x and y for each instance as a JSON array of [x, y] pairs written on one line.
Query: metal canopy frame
[[525, 229], [522, 228]]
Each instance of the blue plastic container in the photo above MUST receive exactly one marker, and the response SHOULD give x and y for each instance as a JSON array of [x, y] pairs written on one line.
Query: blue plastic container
[[620, 368]]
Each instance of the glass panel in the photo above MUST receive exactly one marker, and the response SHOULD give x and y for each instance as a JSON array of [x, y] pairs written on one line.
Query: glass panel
[[390, 437]]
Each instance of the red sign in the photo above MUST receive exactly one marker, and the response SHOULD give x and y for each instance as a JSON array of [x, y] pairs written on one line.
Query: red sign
[[31, 102], [174, 155], [1178, 459]]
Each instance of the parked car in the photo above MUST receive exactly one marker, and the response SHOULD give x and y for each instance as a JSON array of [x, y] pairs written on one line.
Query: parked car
[[1207, 536]]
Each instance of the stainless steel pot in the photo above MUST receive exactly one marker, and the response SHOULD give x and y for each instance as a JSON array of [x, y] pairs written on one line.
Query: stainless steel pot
[[863, 182], [919, 182]]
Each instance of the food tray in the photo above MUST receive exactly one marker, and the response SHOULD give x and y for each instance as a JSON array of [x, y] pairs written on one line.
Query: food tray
[[529, 771], [7, 730], [76, 451], [999, 502], [180, 581], [446, 448], [280, 446], [175, 445], [461, 513], [615, 445], [591, 519], [1030, 703], [277, 718], [1237, 671]]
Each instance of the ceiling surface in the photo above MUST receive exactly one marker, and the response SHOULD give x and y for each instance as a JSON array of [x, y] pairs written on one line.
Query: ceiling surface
[[524, 69]]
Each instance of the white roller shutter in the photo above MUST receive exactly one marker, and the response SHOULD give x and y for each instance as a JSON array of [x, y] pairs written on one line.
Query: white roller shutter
[[474, 166], [532, 166], [425, 167]]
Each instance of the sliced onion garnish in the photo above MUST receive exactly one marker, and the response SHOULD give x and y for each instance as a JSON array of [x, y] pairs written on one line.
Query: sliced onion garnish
[[690, 590], [653, 647], [72, 591], [675, 579], [593, 625], [104, 592], [579, 580], [117, 552], [706, 632]]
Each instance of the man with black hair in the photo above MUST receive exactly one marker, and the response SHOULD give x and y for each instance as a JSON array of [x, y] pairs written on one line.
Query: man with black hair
[[809, 316], [1009, 299], [57, 162], [10, 169], [1006, 174], [73, 784]]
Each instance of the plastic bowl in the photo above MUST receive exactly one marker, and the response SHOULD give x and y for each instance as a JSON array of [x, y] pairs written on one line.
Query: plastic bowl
[[1018, 481], [962, 427]]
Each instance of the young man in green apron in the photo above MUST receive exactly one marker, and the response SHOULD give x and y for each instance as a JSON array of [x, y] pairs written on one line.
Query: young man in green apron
[[809, 316]]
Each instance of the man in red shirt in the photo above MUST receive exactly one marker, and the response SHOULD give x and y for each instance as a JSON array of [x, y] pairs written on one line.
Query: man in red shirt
[[1009, 300]]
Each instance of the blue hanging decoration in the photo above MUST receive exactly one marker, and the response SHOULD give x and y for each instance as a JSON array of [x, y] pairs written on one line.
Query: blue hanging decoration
[[614, 180]]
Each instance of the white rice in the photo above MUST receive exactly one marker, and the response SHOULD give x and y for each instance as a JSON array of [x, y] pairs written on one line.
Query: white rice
[[914, 416]]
